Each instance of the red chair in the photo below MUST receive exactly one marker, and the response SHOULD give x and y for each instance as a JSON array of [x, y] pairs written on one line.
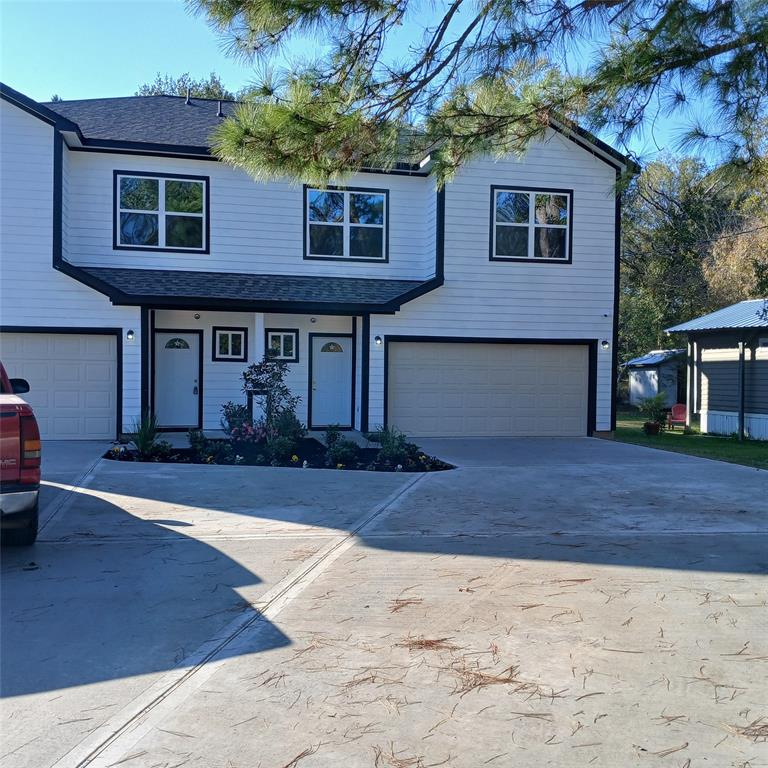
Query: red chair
[[676, 416]]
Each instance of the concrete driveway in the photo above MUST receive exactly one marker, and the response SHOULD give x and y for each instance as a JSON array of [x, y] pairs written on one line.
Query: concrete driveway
[[550, 602]]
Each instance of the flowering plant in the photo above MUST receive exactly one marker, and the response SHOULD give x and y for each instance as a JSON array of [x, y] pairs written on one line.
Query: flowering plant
[[251, 433]]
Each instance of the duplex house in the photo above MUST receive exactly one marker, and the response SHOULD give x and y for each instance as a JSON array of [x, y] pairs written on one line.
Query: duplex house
[[140, 273]]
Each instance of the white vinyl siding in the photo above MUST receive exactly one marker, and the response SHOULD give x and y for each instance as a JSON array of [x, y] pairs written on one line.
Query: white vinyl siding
[[32, 293], [482, 298], [255, 227]]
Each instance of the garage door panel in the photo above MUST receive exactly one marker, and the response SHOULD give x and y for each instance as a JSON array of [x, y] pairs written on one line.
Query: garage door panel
[[72, 381], [62, 399], [454, 388]]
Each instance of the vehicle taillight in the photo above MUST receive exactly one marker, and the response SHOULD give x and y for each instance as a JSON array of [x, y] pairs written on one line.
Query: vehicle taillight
[[30, 449]]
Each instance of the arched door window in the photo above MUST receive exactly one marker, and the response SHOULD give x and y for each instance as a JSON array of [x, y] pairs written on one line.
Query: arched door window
[[177, 343]]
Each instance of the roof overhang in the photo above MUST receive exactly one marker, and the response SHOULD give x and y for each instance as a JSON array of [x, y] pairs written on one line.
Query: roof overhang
[[234, 291], [750, 315], [588, 141]]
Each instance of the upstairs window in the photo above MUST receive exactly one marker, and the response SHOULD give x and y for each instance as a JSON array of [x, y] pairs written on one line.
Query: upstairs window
[[348, 224], [531, 225], [161, 212]]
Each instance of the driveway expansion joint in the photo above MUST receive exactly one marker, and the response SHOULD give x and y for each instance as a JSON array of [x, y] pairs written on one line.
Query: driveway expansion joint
[[110, 743]]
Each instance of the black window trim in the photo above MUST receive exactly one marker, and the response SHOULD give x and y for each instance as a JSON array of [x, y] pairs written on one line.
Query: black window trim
[[215, 348], [305, 223], [117, 246], [520, 188], [295, 332]]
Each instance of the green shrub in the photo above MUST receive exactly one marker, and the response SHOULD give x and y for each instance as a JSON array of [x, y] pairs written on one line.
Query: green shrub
[[654, 409], [332, 435], [265, 381], [395, 448], [144, 436], [280, 449], [342, 452], [207, 451], [234, 416], [287, 425]]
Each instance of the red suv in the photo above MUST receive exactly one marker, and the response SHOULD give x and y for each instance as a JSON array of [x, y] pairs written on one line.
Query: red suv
[[19, 463]]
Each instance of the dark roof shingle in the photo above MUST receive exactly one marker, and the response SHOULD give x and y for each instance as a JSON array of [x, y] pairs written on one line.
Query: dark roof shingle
[[146, 119], [176, 286]]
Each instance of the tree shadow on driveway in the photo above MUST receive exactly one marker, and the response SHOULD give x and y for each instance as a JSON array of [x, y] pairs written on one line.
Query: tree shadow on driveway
[[92, 610], [120, 590]]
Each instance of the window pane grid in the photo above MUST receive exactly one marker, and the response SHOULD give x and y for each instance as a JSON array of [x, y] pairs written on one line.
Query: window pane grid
[[281, 345], [179, 228], [348, 208], [230, 345], [539, 204]]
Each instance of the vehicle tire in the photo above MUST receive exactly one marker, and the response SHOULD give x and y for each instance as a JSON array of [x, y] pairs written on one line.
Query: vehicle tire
[[23, 537]]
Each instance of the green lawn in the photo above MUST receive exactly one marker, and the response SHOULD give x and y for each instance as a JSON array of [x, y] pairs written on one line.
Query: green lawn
[[751, 453]]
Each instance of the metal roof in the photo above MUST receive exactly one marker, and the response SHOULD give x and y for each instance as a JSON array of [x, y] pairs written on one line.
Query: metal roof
[[752, 313], [656, 357]]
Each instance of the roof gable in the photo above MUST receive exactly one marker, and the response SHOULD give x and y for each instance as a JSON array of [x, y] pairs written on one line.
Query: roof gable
[[180, 125]]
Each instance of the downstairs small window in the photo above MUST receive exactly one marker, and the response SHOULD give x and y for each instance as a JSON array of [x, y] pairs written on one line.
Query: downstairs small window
[[283, 344], [230, 345]]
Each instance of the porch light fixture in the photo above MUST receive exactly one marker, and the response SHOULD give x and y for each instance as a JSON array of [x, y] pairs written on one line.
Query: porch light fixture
[[130, 335], [605, 344], [377, 339]]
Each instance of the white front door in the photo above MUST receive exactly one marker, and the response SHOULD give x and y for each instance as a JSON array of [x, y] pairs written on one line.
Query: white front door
[[177, 378], [331, 381]]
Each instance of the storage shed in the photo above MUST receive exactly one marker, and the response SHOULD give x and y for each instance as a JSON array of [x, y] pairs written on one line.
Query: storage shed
[[660, 371], [728, 369]]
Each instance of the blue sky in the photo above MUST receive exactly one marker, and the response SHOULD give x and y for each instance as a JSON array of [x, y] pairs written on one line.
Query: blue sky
[[94, 48]]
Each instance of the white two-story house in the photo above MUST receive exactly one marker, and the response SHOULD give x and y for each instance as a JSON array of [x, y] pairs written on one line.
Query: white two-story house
[[139, 273]]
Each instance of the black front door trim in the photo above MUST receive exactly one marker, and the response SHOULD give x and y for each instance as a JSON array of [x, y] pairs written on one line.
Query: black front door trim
[[313, 336], [199, 334]]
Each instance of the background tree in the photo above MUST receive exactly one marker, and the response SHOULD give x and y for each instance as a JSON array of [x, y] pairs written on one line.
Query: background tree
[[695, 240], [167, 85], [477, 78]]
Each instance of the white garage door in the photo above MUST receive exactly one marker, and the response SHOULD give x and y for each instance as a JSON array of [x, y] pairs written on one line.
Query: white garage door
[[72, 379], [460, 389]]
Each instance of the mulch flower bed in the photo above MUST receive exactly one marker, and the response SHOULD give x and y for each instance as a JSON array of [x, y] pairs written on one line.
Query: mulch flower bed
[[309, 453]]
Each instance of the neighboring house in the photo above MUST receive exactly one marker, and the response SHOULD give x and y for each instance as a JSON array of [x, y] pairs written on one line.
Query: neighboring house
[[728, 369], [660, 371], [139, 273]]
